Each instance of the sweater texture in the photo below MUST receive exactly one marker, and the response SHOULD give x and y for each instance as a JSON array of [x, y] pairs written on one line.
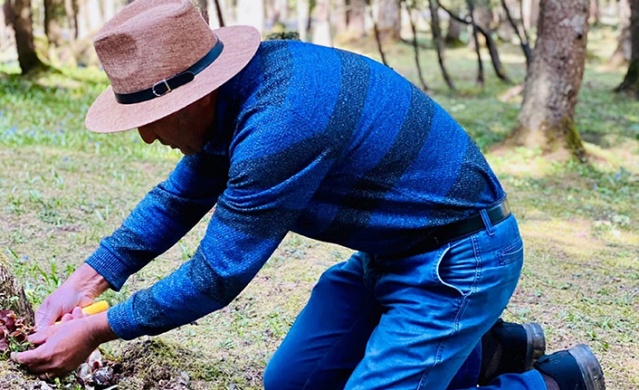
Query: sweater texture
[[322, 142]]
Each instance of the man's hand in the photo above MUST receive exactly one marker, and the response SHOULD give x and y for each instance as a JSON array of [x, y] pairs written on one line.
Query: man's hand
[[80, 289], [63, 347]]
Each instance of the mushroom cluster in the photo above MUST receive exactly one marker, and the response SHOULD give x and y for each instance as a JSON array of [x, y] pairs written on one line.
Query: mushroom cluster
[[13, 333]]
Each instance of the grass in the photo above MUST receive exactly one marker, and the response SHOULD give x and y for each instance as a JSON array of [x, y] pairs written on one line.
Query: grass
[[62, 188]]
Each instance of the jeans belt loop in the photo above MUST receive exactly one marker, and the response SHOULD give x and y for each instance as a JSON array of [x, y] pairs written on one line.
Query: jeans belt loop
[[487, 222]]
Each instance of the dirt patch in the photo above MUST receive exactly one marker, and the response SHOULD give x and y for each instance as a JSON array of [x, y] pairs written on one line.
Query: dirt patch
[[143, 365]]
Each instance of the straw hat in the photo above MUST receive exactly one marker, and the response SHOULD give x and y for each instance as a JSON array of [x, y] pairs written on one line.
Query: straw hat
[[161, 56]]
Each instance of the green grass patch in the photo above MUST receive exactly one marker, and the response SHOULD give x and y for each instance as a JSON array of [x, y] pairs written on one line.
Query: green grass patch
[[62, 188]]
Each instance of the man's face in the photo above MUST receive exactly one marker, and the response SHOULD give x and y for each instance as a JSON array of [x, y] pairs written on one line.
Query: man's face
[[188, 129]]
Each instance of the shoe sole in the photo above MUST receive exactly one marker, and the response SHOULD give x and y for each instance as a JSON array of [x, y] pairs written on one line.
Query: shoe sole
[[535, 343], [589, 366]]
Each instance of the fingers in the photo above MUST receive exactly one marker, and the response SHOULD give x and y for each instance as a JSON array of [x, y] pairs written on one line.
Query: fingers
[[41, 336], [32, 359], [74, 315], [78, 313], [45, 315]]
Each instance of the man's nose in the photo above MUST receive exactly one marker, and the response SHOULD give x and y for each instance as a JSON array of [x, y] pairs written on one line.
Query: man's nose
[[147, 135]]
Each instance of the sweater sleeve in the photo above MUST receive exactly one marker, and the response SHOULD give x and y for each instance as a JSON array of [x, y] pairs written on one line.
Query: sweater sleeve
[[272, 177], [163, 216]]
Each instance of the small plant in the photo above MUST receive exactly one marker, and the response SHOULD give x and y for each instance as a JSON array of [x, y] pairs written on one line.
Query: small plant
[[13, 333]]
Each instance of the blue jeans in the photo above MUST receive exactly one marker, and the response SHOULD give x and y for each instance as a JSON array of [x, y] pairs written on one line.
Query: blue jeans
[[409, 323]]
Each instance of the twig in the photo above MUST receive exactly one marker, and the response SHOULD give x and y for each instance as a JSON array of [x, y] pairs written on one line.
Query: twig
[[437, 38], [218, 10], [415, 46], [524, 44], [480, 65], [377, 38], [492, 47]]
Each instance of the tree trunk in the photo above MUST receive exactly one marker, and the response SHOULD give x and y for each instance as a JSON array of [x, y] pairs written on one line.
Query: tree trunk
[[523, 42], [251, 12], [631, 81], [411, 11], [280, 12], [219, 15], [338, 17], [388, 20], [546, 120], [356, 18], [623, 52], [12, 296], [203, 5], [474, 26], [453, 33], [54, 15], [109, 9], [595, 14], [530, 13], [322, 27], [303, 9], [71, 9], [481, 13], [88, 17], [18, 13], [438, 41]]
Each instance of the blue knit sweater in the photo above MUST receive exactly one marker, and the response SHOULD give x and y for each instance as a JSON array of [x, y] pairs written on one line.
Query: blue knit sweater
[[318, 141]]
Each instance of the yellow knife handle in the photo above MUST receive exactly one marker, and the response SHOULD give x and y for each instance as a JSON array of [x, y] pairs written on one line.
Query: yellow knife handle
[[96, 307]]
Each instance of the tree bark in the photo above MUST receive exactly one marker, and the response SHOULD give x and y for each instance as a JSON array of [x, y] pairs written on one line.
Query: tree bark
[[219, 14], [12, 296], [203, 5], [410, 10], [595, 14], [303, 10], [322, 27], [453, 32], [18, 13], [623, 52], [492, 46], [378, 39], [630, 83], [54, 15], [281, 11], [388, 20], [338, 17], [356, 18], [480, 63], [530, 13], [546, 120], [438, 41], [525, 46]]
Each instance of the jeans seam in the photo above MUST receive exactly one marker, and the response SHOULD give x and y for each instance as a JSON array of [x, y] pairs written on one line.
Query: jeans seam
[[319, 361]]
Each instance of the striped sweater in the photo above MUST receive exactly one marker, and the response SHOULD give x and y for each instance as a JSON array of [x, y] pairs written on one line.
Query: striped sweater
[[314, 140]]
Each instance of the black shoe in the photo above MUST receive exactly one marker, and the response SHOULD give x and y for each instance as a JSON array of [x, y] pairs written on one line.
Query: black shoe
[[573, 369], [510, 348]]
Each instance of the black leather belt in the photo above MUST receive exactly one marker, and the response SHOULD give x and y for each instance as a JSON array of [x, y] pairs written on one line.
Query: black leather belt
[[456, 230]]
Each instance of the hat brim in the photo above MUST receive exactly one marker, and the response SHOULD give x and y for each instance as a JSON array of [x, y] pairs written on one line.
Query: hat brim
[[106, 115]]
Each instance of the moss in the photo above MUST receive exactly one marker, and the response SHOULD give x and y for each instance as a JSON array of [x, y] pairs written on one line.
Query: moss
[[551, 139], [146, 363], [572, 138], [291, 35]]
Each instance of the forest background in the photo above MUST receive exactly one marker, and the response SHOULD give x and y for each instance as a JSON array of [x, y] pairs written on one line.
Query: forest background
[[548, 89]]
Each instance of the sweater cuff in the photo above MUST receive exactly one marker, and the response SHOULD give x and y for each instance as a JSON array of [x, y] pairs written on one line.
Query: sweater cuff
[[110, 267], [122, 321]]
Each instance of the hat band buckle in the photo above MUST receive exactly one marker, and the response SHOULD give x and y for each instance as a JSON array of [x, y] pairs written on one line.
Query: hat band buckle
[[167, 85]]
